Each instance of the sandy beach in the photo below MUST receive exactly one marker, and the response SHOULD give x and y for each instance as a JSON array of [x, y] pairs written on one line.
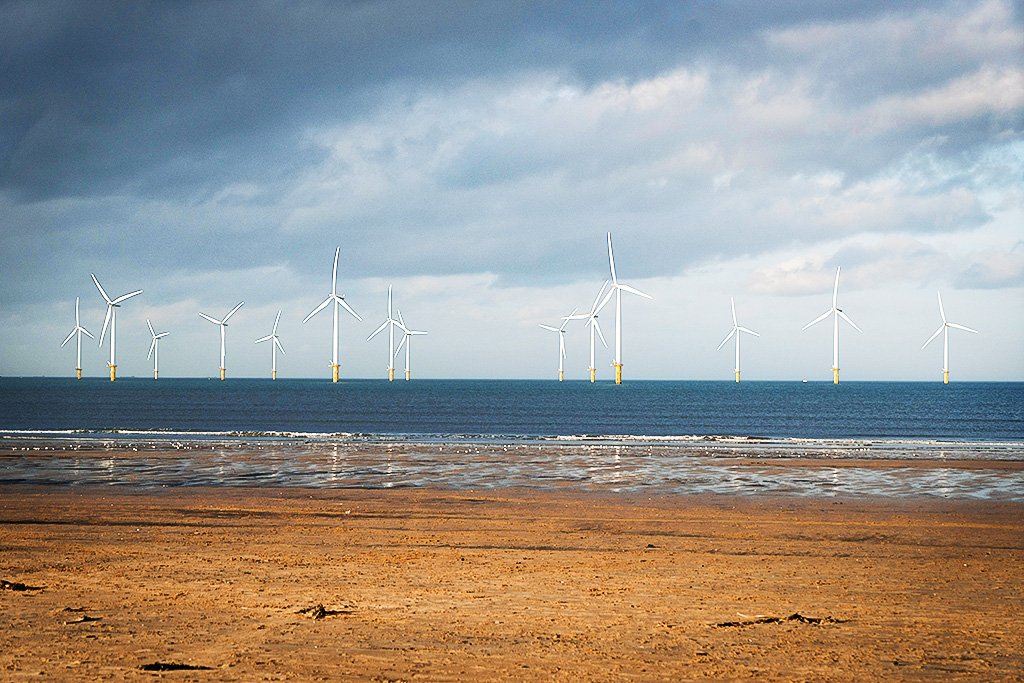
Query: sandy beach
[[313, 584]]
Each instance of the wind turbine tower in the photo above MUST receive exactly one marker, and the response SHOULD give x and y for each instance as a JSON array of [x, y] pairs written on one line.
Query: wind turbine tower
[[391, 324], [154, 349], [944, 330], [339, 301], [275, 344], [111, 318], [836, 314], [736, 330], [617, 288], [79, 330], [561, 342], [223, 326]]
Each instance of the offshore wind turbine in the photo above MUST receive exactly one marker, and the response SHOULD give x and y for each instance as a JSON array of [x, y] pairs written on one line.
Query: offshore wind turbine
[[592, 323], [111, 317], [561, 342], [736, 330], [154, 349], [836, 314], [407, 341], [79, 330], [275, 344], [617, 288], [944, 329], [223, 326], [391, 324], [338, 301]]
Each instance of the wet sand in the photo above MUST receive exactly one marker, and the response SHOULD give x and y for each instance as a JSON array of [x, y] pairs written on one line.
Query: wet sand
[[455, 585]]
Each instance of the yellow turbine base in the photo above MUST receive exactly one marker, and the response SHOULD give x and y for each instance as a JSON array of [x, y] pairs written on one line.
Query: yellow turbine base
[[273, 374], [156, 374], [835, 375], [113, 371], [593, 375], [223, 373], [391, 374], [408, 375], [334, 372], [737, 376], [945, 376], [561, 376], [78, 371], [618, 372]]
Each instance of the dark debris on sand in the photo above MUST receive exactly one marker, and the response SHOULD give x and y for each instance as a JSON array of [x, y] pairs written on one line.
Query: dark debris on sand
[[796, 616], [318, 611], [6, 585], [174, 666]]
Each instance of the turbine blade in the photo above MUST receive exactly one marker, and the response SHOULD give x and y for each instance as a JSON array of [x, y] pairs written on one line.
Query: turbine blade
[[100, 287], [151, 330], [818, 319], [129, 295], [937, 333], [607, 296], [334, 272], [611, 259], [748, 331], [597, 328], [233, 310], [962, 327], [277, 342], [319, 308], [106, 321], [401, 320], [77, 323], [401, 343], [941, 311], [378, 330], [634, 290], [835, 289], [86, 332], [263, 339], [162, 335], [276, 321], [152, 345], [72, 334], [595, 308], [344, 304], [727, 337], [548, 327], [847, 319], [732, 302], [210, 318], [565, 321]]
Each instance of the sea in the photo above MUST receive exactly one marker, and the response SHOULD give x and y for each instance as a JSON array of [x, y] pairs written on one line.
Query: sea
[[962, 440]]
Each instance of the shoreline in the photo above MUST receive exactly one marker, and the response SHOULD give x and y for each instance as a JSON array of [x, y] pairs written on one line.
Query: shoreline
[[503, 584]]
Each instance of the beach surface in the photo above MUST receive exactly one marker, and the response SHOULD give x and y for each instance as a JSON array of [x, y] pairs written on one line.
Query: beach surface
[[415, 584]]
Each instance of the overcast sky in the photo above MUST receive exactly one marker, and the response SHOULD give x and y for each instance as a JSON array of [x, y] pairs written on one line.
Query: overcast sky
[[474, 155]]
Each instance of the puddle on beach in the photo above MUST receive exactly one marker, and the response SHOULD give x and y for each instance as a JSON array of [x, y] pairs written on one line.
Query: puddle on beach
[[805, 471]]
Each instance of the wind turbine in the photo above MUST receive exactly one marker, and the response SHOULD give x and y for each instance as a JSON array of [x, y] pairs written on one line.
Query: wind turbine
[[111, 317], [407, 341], [223, 326], [617, 288], [79, 330], [592, 323], [736, 330], [391, 324], [944, 329], [836, 314], [275, 344], [338, 301], [561, 342], [154, 349]]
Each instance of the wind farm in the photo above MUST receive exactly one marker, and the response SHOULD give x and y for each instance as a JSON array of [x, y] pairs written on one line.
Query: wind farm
[[944, 331], [111, 318], [223, 327], [78, 331]]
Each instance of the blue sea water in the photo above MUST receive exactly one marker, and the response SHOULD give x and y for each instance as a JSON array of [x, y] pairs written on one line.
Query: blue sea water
[[509, 409]]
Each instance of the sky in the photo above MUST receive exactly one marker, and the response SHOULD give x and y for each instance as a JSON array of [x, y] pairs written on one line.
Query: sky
[[474, 155]]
